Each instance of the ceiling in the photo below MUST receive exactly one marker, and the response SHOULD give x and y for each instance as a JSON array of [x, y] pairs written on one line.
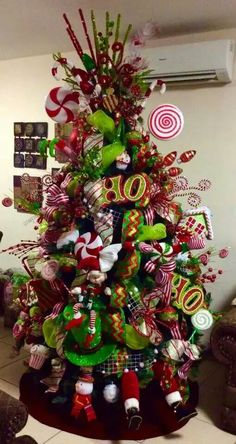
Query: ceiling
[[34, 27]]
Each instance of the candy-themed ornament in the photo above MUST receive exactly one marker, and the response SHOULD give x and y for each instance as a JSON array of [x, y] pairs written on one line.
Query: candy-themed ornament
[[166, 122], [62, 104]]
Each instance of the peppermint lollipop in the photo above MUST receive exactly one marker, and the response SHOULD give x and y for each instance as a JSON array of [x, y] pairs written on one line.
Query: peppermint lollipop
[[202, 320], [49, 270], [62, 104], [166, 122], [87, 245]]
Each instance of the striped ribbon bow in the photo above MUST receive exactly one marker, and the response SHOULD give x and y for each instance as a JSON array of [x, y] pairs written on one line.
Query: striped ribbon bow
[[56, 196]]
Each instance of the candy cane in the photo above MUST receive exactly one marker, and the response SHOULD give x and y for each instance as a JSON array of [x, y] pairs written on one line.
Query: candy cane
[[57, 64], [92, 319]]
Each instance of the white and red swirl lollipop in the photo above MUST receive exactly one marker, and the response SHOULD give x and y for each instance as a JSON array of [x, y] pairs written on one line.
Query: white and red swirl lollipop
[[62, 104], [166, 122], [87, 245]]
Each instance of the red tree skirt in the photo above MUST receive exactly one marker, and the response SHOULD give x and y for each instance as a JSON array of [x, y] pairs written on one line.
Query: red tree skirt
[[158, 418]]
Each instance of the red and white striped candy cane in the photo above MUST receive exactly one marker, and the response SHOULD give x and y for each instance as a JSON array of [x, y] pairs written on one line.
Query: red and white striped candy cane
[[76, 310], [92, 320], [183, 371], [163, 279], [57, 64]]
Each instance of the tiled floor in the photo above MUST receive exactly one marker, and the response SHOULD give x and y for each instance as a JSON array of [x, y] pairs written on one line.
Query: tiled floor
[[201, 429]]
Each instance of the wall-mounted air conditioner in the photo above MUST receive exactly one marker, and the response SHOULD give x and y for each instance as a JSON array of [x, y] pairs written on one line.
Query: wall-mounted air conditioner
[[209, 61]]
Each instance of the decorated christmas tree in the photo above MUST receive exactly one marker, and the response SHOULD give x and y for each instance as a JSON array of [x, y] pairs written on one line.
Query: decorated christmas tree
[[115, 302]]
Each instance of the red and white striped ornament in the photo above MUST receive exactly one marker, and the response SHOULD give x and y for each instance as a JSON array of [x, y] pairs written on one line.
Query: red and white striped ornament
[[166, 122], [186, 156], [170, 158], [62, 104], [174, 171], [196, 243], [92, 320]]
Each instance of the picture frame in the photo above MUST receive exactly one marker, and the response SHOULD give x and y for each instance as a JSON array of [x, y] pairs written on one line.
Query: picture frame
[[40, 162], [19, 129], [26, 188], [41, 129], [29, 145], [19, 160], [19, 144], [29, 161], [29, 129]]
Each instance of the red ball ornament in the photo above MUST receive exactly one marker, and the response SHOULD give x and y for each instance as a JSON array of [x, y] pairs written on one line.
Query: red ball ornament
[[104, 80], [103, 58], [86, 87], [73, 138], [146, 138], [127, 68], [117, 46], [7, 202], [127, 80]]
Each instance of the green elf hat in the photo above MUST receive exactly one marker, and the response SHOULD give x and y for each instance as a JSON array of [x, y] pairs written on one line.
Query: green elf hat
[[78, 350]]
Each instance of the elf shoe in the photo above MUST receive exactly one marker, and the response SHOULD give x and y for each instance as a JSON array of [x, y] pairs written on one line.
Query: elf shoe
[[182, 412], [134, 418]]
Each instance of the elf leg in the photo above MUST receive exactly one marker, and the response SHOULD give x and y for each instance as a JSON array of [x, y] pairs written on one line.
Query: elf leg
[[130, 395], [164, 373]]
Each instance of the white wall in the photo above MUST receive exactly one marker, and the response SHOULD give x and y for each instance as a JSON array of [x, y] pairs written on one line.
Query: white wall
[[210, 116]]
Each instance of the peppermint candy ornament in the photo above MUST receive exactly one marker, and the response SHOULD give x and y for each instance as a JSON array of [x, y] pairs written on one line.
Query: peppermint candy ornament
[[88, 245], [164, 252], [223, 253], [202, 320], [62, 104], [49, 270], [166, 122]]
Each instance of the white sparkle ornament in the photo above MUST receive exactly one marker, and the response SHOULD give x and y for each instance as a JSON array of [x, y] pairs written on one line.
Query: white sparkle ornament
[[202, 320]]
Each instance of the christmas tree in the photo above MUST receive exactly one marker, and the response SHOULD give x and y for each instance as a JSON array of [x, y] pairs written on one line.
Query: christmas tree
[[115, 298]]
